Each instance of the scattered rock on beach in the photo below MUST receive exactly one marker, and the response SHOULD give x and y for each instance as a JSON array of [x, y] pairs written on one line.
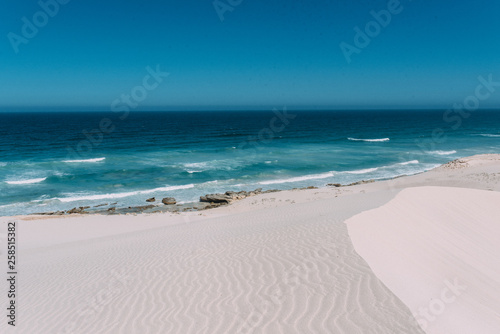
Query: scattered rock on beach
[[74, 210], [361, 182], [169, 201], [350, 184], [231, 196], [152, 199], [216, 198]]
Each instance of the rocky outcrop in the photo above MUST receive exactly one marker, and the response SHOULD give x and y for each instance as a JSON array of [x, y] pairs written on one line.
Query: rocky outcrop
[[231, 196], [350, 184], [152, 199], [78, 210], [169, 201]]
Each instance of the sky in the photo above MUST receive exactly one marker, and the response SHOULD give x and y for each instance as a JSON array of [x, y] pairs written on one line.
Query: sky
[[248, 54]]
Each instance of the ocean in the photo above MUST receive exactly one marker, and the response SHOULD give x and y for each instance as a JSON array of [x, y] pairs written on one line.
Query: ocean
[[60, 160]]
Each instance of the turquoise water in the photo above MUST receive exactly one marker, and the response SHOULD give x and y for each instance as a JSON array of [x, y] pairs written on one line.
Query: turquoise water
[[56, 161]]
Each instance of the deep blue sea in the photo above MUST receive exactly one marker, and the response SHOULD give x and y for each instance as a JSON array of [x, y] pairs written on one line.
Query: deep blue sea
[[57, 161]]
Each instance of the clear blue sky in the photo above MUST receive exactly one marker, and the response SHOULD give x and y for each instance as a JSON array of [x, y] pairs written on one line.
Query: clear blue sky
[[264, 53]]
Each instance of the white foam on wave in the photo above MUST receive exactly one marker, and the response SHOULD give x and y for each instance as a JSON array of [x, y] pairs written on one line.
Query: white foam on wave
[[85, 160], [412, 162], [27, 181], [370, 140], [122, 195], [443, 152], [371, 170], [3, 164], [196, 165], [299, 178], [361, 171], [489, 135]]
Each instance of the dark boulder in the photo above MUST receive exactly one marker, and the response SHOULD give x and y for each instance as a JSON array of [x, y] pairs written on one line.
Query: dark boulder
[[169, 201]]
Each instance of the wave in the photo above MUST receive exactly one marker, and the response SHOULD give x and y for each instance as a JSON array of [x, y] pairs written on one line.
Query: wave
[[3, 164], [443, 152], [412, 162], [196, 165], [370, 170], [27, 181], [122, 195], [85, 160], [370, 140], [489, 135], [299, 178], [332, 173], [361, 171]]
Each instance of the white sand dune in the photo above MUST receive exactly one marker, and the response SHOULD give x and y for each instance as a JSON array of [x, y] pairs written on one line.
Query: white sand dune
[[286, 270], [274, 263], [437, 248]]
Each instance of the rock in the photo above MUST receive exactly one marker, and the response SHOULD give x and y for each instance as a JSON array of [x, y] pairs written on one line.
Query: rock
[[361, 182], [216, 198], [334, 185], [271, 191], [230, 196], [152, 199], [74, 210], [97, 206], [169, 201], [141, 208], [311, 187], [112, 209], [84, 207]]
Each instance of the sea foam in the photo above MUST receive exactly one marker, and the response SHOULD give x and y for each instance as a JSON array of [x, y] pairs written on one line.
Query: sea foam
[[122, 195], [443, 152], [299, 178], [31, 181], [370, 140], [489, 135], [85, 160]]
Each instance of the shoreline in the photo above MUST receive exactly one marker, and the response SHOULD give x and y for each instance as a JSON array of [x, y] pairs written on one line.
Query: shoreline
[[293, 259], [227, 198], [230, 198]]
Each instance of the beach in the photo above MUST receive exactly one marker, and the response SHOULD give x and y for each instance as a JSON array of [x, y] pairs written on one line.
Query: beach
[[414, 254]]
